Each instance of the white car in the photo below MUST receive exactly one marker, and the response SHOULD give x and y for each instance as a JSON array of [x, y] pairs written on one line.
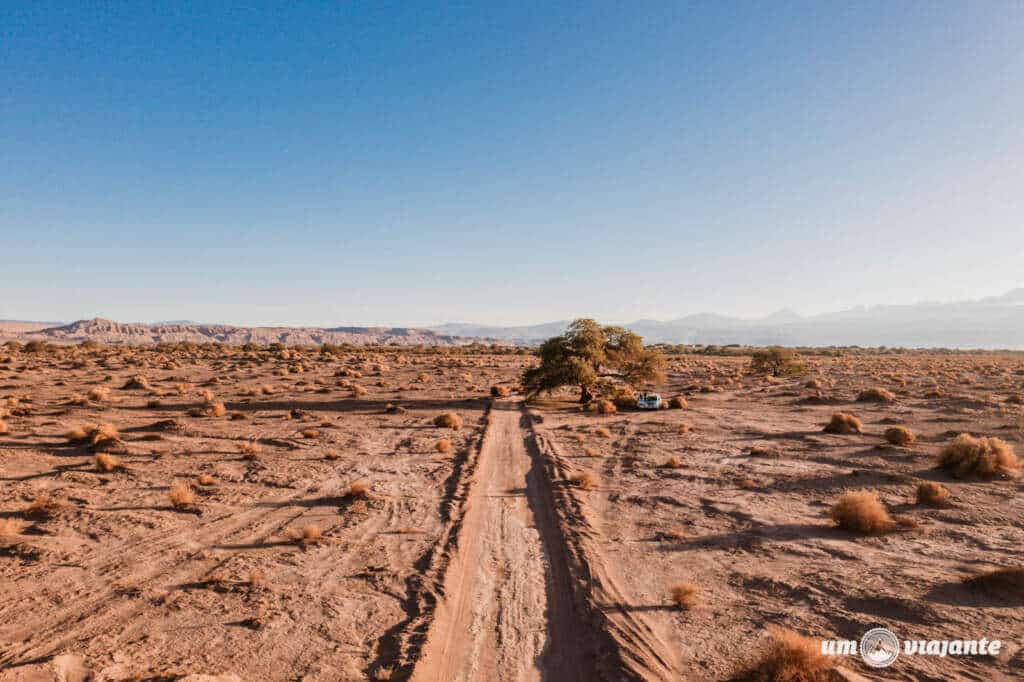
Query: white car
[[648, 401]]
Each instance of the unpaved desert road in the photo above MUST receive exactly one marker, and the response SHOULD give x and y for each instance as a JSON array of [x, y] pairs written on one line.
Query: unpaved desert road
[[508, 611]]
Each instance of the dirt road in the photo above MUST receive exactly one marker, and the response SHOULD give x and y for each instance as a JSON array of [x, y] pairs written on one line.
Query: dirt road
[[508, 611]]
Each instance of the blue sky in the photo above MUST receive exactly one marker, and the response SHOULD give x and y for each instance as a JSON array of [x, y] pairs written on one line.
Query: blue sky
[[415, 163]]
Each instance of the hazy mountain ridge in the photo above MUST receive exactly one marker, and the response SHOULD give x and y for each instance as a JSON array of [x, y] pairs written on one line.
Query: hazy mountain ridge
[[993, 322], [121, 333]]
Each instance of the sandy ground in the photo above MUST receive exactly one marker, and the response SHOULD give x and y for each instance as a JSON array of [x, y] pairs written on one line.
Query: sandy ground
[[485, 561]]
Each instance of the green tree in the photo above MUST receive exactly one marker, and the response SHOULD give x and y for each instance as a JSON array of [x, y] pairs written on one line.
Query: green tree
[[593, 358], [776, 361]]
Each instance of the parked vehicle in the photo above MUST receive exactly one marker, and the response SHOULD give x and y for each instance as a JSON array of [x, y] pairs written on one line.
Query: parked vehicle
[[648, 401]]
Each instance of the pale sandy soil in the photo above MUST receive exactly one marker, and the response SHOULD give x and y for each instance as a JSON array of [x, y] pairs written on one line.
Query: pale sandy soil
[[485, 562]]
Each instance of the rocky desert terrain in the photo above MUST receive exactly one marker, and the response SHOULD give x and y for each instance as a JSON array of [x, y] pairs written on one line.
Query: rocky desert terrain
[[205, 512]]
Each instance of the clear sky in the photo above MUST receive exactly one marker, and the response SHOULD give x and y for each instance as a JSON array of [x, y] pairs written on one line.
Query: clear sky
[[422, 162]]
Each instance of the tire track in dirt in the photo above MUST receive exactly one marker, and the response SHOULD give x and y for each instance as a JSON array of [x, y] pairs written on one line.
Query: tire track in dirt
[[508, 609]]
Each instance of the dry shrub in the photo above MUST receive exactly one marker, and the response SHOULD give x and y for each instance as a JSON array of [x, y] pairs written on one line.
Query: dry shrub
[[585, 480], [359, 489], [683, 428], [876, 395], [500, 391], [307, 535], [205, 479], [99, 394], [861, 511], [181, 495], [1005, 584], [310, 433], [674, 462], [443, 445], [10, 529], [813, 383], [44, 505], [843, 424], [331, 454], [249, 449], [215, 408], [106, 463], [983, 457], [677, 403], [137, 382], [685, 595], [790, 657], [3, 427], [449, 420], [606, 407], [602, 432], [930, 492], [900, 435]]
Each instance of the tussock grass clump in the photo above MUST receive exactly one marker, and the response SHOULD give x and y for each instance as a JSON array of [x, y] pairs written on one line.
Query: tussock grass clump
[[843, 424], [359, 490], [606, 407], [585, 480], [930, 492], [137, 382], [249, 449], [307, 535], [448, 420], [500, 391], [106, 463], [876, 395], [443, 446], [10, 529], [983, 457], [861, 511], [1006, 584], [181, 495], [677, 403], [44, 505], [685, 595], [98, 394], [790, 657], [900, 435]]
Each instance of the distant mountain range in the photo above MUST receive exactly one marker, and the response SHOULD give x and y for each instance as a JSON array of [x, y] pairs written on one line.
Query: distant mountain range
[[108, 331], [994, 322]]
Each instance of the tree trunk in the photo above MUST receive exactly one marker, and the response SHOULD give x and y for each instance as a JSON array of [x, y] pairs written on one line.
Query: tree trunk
[[585, 395]]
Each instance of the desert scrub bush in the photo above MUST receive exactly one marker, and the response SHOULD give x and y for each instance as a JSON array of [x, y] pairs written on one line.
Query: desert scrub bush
[[861, 511], [585, 480], [205, 479], [813, 383], [900, 435], [106, 463], [983, 457], [11, 528], [1006, 584], [500, 391], [606, 407], [674, 462], [876, 395], [790, 657], [776, 361], [307, 535], [931, 492], [249, 449], [4, 428], [44, 505], [310, 433], [677, 403], [444, 445], [602, 432], [331, 455], [181, 495], [685, 595], [98, 394], [683, 428], [137, 382], [448, 420], [843, 424], [359, 489]]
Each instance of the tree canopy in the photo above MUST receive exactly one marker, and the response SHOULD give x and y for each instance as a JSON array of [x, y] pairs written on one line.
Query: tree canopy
[[592, 358]]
